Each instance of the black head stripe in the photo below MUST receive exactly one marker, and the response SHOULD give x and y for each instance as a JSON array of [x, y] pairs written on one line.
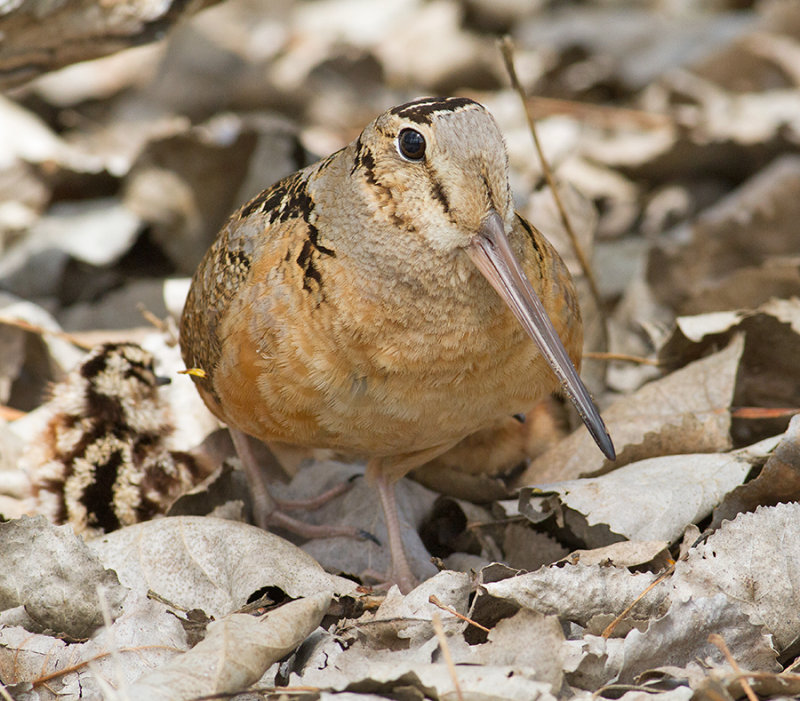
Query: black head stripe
[[423, 111]]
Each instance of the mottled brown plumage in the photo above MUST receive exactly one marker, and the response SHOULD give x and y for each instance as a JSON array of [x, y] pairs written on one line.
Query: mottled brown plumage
[[350, 306], [102, 461]]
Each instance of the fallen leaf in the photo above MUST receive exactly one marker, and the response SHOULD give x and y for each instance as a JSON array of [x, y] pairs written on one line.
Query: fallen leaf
[[622, 554], [752, 560], [208, 563], [50, 574], [578, 592], [778, 481], [235, 653], [681, 636], [687, 411], [652, 499]]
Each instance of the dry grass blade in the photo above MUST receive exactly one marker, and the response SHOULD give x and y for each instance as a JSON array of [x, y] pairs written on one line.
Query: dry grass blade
[[507, 49], [601, 116], [440, 636], [41, 331], [719, 642], [624, 357], [609, 629]]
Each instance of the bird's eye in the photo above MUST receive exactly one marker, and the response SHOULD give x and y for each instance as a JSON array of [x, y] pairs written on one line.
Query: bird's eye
[[411, 144]]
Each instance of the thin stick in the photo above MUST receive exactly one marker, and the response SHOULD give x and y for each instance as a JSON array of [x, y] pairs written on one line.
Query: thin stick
[[719, 642], [437, 627], [41, 331], [625, 357], [432, 599], [507, 49], [609, 629], [99, 656], [603, 116]]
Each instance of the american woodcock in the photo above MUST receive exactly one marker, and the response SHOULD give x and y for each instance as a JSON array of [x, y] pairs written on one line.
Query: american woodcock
[[382, 302]]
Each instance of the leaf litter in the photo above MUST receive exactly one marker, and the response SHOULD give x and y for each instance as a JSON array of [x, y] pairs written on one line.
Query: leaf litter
[[578, 577]]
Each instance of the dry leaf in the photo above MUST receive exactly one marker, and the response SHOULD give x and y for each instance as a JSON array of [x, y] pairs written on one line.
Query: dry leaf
[[651, 499], [235, 653], [208, 563], [681, 636], [623, 554], [54, 579], [684, 412], [752, 560], [778, 481], [578, 592]]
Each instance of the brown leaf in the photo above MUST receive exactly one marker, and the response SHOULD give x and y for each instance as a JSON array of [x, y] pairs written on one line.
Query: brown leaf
[[769, 375], [753, 561], [685, 412], [235, 653], [778, 481]]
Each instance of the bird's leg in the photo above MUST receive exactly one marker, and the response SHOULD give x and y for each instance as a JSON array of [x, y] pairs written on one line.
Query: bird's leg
[[267, 510], [317, 501], [400, 572]]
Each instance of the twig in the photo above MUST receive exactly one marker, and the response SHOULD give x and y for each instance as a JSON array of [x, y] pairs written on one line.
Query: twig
[[603, 116], [9, 413], [432, 599], [440, 636], [99, 656], [609, 629], [625, 357], [507, 49], [41, 331], [758, 412], [717, 640]]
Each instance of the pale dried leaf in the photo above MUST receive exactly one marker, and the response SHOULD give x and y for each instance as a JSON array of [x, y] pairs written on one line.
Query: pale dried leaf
[[778, 481], [209, 563], [679, 693], [652, 499], [146, 634], [686, 411], [526, 549], [62, 355], [753, 560], [452, 589], [51, 573], [681, 636], [97, 232], [500, 683], [237, 650], [578, 592], [622, 554], [541, 656], [42, 36]]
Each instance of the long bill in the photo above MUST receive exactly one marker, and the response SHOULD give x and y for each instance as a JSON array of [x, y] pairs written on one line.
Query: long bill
[[492, 255]]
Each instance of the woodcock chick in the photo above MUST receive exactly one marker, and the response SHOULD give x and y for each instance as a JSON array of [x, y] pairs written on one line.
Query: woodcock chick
[[382, 302], [102, 461]]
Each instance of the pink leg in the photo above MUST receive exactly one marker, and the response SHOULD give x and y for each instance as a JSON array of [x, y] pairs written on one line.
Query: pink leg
[[401, 571], [266, 508], [317, 501]]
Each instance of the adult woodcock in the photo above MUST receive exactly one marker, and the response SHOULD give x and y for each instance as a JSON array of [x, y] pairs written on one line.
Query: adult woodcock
[[386, 302]]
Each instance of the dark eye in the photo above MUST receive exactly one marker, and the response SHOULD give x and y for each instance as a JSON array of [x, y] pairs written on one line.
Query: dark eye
[[411, 144]]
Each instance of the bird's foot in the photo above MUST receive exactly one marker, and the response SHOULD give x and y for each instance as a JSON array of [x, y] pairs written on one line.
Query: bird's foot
[[269, 512], [278, 519], [319, 500], [384, 581]]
